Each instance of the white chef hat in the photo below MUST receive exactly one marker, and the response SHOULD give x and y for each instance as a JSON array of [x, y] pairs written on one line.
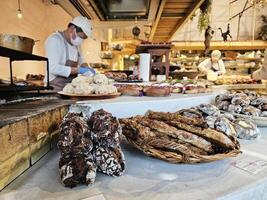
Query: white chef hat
[[216, 54], [84, 24]]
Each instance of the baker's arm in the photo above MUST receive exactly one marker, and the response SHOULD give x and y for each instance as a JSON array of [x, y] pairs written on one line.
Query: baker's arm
[[203, 66], [222, 70], [54, 53]]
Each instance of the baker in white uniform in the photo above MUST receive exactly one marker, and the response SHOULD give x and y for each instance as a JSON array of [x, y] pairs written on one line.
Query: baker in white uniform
[[214, 64], [63, 50]]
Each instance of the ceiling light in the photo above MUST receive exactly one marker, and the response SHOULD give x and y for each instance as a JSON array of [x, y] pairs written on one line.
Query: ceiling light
[[19, 14]]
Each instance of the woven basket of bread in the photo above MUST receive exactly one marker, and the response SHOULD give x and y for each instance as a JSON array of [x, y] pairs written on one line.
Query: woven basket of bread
[[176, 138]]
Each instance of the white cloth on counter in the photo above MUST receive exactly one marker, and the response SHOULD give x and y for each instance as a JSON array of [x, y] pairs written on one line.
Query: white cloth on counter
[[207, 65], [58, 54]]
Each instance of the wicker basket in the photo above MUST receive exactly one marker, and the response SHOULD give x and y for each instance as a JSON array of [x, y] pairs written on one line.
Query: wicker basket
[[147, 146]]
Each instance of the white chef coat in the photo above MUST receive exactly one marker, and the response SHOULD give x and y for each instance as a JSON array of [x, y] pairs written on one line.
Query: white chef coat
[[207, 65], [58, 51]]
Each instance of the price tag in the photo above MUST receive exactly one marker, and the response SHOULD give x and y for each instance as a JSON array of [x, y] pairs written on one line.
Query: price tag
[[96, 197], [252, 166]]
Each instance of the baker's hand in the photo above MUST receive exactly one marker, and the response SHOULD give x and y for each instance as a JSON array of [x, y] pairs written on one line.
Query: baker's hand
[[88, 71], [83, 70]]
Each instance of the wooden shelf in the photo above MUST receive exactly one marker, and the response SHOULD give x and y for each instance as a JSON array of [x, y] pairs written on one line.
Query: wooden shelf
[[188, 59], [231, 45], [249, 59]]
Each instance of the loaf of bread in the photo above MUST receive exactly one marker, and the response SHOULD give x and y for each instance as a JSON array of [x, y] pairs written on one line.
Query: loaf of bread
[[131, 90], [154, 91]]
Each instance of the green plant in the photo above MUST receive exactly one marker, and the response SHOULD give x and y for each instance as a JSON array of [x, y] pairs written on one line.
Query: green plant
[[263, 31], [204, 16]]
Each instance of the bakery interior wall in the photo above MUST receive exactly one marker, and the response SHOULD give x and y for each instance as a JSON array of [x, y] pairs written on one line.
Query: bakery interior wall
[[220, 13], [39, 19]]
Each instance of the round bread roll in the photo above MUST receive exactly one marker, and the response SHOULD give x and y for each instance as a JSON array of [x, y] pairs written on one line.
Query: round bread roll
[[82, 80], [111, 89], [234, 108], [68, 88], [251, 110], [223, 105], [100, 79], [131, 90], [263, 107], [84, 89], [105, 89], [157, 91], [246, 129], [264, 114]]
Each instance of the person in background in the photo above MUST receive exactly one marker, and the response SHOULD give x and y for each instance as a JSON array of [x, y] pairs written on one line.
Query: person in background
[[214, 64], [63, 50], [261, 74]]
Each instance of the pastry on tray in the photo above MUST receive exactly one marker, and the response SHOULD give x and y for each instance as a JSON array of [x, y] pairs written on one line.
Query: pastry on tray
[[155, 91], [83, 85]]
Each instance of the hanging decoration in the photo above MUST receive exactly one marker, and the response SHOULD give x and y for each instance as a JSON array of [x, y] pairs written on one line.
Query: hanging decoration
[[226, 33], [136, 30], [204, 16]]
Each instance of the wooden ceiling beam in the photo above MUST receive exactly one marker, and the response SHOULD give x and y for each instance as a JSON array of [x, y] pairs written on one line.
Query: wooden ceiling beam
[[96, 10], [189, 13], [154, 4], [175, 10], [161, 36], [155, 24], [177, 5], [171, 17], [180, 1]]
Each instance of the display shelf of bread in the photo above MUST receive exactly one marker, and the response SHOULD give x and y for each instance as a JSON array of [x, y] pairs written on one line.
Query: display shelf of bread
[[144, 90], [235, 79], [184, 136], [165, 88], [187, 86], [236, 82], [122, 77], [35, 79]]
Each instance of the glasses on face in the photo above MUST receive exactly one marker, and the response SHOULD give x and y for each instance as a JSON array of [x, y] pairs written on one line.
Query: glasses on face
[[80, 33]]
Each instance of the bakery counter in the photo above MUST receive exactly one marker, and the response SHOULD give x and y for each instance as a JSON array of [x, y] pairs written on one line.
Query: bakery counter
[[28, 130], [127, 106], [14, 112], [149, 178]]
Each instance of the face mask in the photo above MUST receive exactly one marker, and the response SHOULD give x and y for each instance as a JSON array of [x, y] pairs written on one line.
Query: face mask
[[77, 41]]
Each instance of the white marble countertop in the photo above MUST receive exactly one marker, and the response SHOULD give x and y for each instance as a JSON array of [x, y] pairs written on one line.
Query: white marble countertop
[[123, 98], [127, 106], [149, 178]]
